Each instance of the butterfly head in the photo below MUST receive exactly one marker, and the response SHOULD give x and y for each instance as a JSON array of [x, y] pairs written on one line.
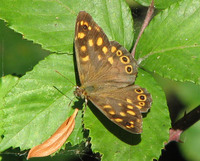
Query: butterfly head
[[80, 92]]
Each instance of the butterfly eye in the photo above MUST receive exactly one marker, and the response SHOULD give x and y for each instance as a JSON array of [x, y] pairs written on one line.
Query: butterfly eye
[[141, 103], [130, 124], [85, 27], [129, 69], [138, 91], [141, 97], [119, 53], [124, 59]]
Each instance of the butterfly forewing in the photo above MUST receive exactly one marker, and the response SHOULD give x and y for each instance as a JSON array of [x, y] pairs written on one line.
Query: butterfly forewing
[[107, 72], [100, 61], [90, 45]]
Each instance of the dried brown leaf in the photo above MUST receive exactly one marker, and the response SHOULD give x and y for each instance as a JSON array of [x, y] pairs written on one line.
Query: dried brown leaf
[[52, 144]]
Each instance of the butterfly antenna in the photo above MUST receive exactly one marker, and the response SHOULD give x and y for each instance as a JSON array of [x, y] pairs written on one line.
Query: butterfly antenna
[[65, 77], [63, 94], [83, 113], [85, 104], [71, 101], [2, 58], [145, 24]]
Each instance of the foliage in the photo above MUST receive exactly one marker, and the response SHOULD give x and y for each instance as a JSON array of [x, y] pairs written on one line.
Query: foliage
[[33, 109]]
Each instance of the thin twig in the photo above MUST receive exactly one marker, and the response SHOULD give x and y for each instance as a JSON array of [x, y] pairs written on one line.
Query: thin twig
[[184, 123], [188, 119], [146, 22]]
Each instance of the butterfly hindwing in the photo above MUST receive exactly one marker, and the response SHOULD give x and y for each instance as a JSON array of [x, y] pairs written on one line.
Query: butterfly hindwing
[[123, 106]]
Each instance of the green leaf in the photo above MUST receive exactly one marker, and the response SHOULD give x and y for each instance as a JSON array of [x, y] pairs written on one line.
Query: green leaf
[[6, 84], [34, 109], [188, 93], [117, 144], [170, 45], [160, 4], [191, 139], [17, 55], [52, 23]]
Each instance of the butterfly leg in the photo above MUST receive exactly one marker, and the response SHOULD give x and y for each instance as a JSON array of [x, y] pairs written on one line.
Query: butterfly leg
[[86, 102], [83, 113]]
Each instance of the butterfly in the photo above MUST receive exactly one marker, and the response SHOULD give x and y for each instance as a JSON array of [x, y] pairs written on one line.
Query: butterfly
[[107, 73]]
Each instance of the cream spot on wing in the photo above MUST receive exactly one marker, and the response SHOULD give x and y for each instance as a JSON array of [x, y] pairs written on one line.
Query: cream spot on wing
[[118, 120], [97, 28], [130, 107], [138, 120], [111, 112], [139, 107], [99, 41], [110, 59], [113, 49], [122, 114], [99, 57], [86, 58], [131, 112], [107, 106], [105, 49], [90, 42], [86, 23], [83, 48], [129, 101], [81, 35]]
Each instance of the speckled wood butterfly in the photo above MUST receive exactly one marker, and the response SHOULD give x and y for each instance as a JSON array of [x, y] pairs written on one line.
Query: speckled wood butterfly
[[107, 72]]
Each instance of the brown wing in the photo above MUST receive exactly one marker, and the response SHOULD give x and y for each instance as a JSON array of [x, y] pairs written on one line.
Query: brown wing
[[123, 106], [100, 61], [107, 72]]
